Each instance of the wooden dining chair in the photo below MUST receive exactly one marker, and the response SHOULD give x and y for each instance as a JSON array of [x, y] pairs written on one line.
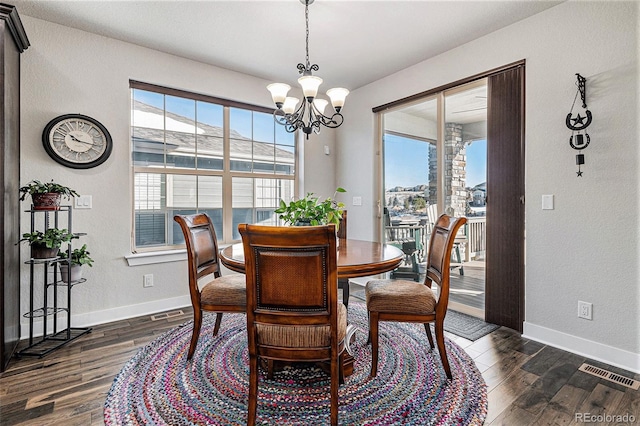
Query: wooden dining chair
[[293, 312], [219, 293], [409, 301]]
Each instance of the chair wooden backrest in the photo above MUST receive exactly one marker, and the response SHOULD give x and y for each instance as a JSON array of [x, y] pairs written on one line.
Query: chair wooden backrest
[[292, 301], [441, 242], [202, 250], [342, 229], [292, 280]]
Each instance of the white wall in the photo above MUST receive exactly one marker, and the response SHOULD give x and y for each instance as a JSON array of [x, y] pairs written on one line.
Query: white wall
[[70, 71], [587, 247]]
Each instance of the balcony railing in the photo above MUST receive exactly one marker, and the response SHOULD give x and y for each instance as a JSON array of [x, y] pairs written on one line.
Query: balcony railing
[[476, 237], [403, 235], [475, 230]]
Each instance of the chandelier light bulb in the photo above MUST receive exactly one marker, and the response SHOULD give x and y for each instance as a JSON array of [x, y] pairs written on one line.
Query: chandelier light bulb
[[290, 104], [337, 96], [310, 85], [320, 104], [278, 93]]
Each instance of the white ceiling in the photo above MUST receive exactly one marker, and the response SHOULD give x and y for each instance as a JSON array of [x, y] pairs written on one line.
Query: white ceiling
[[353, 42]]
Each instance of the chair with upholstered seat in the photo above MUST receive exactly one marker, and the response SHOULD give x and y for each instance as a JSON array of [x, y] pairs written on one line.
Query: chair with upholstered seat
[[408, 301], [293, 313], [219, 293]]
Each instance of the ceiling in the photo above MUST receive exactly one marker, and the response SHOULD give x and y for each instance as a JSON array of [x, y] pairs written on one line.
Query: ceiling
[[353, 42]]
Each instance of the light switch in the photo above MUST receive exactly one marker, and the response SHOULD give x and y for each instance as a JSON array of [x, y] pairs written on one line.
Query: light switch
[[83, 202], [327, 151], [547, 202], [357, 201]]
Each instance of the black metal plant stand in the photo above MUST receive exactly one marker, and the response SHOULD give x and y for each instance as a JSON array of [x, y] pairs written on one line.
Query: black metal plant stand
[[48, 342]]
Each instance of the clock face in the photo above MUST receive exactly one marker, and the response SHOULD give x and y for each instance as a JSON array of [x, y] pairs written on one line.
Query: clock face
[[77, 141]]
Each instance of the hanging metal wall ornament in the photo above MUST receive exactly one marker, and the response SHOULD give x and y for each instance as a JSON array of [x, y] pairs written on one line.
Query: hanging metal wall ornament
[[579, 137]]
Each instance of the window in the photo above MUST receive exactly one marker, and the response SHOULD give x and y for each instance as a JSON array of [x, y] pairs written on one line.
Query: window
[[193, 153]]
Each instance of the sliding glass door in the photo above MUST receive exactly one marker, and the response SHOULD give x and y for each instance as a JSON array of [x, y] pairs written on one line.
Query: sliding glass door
[[410, 180], [464, 143], [434, 161]]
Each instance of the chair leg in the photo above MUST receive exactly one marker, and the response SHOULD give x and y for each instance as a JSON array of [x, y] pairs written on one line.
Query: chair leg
[[344, 284], [441, 347], [335, 382], [195, 334], [369, 333], [216, 327], [253, 390], [270, 369], [341, 367], [373, 331], [427, 328]]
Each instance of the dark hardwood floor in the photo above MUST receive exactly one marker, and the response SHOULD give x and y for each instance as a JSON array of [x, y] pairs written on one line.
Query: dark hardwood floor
[[528, 383]]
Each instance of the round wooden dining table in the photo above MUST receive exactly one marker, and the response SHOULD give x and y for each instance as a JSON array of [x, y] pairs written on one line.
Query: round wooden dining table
[[356, 258]]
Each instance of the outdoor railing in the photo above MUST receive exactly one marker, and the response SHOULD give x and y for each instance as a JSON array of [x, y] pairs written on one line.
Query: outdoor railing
[[476, 237], [399, 234], [474, 247]]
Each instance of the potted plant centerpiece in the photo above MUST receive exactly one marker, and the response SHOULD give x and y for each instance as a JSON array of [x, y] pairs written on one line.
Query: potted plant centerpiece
[[46, 196], [79, 257], [310, 211], [45, 245]]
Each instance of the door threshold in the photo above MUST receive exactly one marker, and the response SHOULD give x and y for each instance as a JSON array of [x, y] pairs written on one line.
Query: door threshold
[[465, 309]]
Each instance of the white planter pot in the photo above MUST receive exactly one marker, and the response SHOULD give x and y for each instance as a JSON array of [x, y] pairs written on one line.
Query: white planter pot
[[76, 272]]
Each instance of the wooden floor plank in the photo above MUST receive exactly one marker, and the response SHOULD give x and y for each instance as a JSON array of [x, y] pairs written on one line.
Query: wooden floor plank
[[502, 396], [601, 398], [563, 407], [514, 416]]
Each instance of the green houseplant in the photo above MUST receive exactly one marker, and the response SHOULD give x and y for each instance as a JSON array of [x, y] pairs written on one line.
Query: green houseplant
[[45, 245], [79, 256], [46, 195], [309, 210]]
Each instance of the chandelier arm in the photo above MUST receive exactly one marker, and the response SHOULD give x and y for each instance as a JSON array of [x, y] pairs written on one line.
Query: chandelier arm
[[332, 122], [289, 128], [280, 117]]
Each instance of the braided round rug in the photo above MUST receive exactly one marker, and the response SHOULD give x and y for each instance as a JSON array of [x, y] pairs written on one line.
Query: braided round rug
[[159, 387]]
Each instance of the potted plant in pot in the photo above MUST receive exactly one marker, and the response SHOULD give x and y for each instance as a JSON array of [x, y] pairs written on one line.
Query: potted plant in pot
[[45, 245], [46, 196], [79, 257], [309, 210]]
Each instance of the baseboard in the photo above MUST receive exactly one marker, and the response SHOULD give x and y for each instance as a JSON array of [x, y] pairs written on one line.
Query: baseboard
[[577, 345], [109, 315]]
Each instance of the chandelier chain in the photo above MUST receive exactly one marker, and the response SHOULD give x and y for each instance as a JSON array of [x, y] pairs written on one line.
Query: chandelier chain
[[306, 18]]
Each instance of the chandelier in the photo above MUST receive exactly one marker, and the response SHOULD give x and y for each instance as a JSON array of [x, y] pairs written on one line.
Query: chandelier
[[309, 115]]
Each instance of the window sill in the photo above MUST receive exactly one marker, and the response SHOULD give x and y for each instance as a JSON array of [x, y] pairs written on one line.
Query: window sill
[[150, 258]]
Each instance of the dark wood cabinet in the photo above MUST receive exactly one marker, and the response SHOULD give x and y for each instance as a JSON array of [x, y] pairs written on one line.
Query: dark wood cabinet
[[13, 41]]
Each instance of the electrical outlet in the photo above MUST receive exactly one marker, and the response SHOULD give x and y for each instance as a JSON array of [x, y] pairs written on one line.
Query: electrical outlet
[[147, 280], [585, 310]]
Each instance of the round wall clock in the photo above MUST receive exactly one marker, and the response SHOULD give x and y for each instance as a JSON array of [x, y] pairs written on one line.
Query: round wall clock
[[77, 141]]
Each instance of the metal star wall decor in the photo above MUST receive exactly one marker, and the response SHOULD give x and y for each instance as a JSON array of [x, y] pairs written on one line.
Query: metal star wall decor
[[577, 124]]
